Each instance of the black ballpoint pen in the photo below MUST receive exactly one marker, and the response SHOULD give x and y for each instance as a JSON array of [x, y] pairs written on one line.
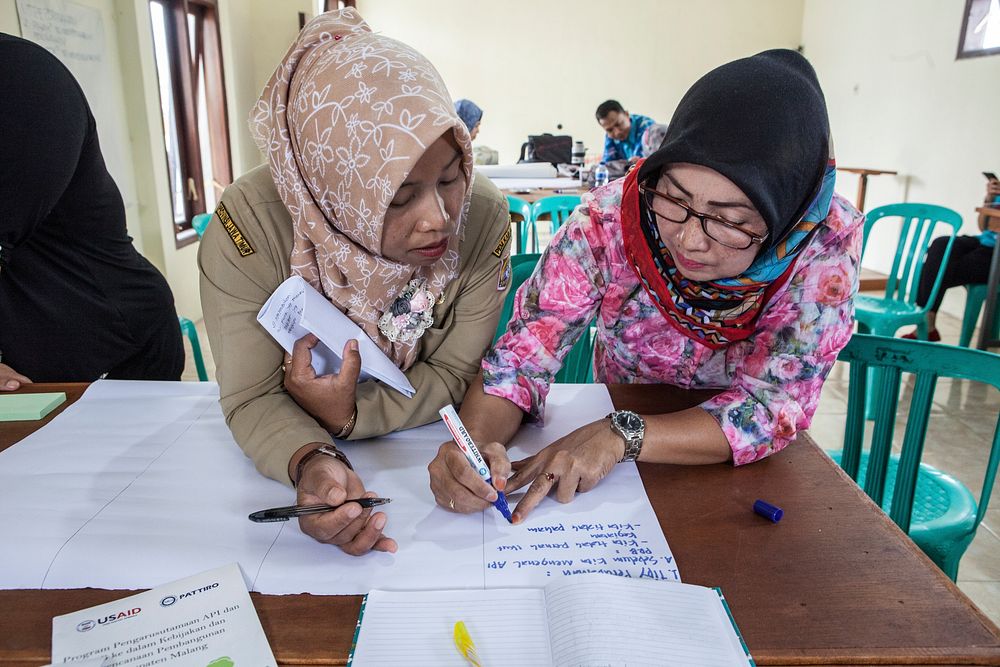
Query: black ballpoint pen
[[292, 511]]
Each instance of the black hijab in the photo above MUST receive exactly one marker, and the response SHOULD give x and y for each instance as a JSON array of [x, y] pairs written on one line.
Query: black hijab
[[761, 122]]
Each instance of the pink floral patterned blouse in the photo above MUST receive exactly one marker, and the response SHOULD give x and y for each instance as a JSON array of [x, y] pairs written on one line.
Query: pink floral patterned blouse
[[771, 381]]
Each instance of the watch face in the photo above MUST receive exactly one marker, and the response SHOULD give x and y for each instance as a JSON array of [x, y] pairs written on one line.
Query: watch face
[[629, 422]]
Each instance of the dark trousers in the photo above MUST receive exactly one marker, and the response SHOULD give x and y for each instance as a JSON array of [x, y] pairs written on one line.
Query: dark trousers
[[161, 358], [968, 264]]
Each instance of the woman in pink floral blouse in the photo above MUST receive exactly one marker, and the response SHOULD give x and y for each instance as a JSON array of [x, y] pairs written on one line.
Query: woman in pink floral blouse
[[723, 261]]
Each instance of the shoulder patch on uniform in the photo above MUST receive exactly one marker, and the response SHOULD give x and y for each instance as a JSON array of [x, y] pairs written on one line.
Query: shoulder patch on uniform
[[503, 278], [502, 243], [240, 241]]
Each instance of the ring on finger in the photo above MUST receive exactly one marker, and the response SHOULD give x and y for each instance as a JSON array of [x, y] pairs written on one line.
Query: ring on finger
[[550, 476]]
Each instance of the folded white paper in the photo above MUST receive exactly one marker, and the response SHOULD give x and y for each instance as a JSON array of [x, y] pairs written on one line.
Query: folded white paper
[[207, 619], [296, 309]]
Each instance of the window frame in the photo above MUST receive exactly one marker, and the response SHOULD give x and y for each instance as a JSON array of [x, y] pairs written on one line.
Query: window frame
[[185, 68], [964, 53]]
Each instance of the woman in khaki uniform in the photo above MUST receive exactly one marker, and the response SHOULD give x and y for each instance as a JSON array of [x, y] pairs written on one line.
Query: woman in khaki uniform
[[369, 195]]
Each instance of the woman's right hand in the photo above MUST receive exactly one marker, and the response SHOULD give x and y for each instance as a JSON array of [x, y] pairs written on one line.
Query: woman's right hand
[[330, 399], [355, 530], [10, 379], [456, 485]]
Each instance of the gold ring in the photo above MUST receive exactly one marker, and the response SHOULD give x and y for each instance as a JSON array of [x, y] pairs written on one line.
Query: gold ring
[[283, 368], [451, 503], [550, 476]]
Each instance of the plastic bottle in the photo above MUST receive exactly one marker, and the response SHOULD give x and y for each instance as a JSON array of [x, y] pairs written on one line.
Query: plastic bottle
[[600, 175]]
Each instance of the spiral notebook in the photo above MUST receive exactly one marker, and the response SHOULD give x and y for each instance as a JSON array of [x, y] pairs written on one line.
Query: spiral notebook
[[590, 619]]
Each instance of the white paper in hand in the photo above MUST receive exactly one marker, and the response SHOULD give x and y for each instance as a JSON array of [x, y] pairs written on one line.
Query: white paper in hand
[[296, 309]]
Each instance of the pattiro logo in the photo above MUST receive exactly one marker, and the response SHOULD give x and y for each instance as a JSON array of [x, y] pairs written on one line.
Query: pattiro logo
[[171, 599]]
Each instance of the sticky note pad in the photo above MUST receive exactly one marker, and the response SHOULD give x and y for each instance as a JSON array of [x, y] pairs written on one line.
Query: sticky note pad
[[21, 407]]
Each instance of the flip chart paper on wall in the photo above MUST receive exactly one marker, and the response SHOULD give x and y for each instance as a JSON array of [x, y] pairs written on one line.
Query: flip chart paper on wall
[[152, 488]]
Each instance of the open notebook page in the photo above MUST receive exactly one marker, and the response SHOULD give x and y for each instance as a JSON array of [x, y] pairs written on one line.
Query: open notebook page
[[600, 620], [416, 628]]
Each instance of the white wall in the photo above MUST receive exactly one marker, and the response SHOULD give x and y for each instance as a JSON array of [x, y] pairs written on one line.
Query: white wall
[[900, 101], [533, 65]]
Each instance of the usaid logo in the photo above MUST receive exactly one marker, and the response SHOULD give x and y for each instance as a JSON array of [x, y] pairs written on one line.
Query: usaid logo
[[85, 626]]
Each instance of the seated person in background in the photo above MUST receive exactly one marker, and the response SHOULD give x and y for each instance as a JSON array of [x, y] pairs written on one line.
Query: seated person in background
[[77, 300], [624, 131], [724, 261], [651, 140], [472, 116], [383, 218], [968, 264]]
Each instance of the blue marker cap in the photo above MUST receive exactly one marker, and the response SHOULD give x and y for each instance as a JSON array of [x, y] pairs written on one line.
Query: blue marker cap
[[768, 511]]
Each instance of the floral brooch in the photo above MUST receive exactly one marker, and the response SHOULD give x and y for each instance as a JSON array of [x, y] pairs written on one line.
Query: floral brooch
[[410, 313]]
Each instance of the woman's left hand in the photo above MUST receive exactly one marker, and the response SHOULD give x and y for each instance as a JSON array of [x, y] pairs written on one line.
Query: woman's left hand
[[330, 399], [574, 463]]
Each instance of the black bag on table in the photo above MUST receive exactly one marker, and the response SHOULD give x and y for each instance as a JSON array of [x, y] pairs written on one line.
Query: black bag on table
[[556, 149]]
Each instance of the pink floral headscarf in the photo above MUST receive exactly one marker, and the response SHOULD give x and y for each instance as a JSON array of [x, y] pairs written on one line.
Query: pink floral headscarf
[[343, 120]]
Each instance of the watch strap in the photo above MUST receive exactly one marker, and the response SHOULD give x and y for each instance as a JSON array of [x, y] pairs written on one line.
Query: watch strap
[[325, 450]]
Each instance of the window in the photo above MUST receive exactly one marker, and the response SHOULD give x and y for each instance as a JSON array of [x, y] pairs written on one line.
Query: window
[[980, 29], [193, 104]]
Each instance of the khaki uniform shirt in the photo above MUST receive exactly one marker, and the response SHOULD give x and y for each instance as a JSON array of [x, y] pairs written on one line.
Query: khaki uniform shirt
[[244, 256]]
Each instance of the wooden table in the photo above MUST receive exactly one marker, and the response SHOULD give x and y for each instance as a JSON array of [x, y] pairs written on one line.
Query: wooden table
[[863, 175], [834, 583], [992, 283]]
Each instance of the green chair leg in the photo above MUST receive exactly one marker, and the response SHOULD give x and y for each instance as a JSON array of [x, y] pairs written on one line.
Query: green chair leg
[[188, 329], [974, 298]]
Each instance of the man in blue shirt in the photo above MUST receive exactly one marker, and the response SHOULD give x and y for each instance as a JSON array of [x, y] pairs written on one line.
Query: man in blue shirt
[[624, 131]]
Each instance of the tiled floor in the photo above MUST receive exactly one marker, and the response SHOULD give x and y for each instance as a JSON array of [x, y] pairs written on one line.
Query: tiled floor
[[959, 433]]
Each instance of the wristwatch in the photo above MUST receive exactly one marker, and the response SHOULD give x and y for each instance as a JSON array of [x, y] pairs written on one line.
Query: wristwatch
[[632, 428], [325, 450]]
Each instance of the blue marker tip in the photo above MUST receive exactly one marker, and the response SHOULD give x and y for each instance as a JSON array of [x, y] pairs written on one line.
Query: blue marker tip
[[770, 512], [501, 504]]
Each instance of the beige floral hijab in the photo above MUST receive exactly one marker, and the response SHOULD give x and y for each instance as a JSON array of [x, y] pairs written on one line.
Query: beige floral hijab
[[343, 120]]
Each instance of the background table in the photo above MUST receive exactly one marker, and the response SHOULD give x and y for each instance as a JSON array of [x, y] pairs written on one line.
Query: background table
[[834, 583], [863, 174]]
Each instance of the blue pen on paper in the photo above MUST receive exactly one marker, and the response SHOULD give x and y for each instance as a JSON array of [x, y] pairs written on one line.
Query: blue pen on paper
[[468, 447]]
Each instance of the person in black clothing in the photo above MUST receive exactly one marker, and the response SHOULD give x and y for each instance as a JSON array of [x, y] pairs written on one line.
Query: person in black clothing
[[968, 264], [77, 301]]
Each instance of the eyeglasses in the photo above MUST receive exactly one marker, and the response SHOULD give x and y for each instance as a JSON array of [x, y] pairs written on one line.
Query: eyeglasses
[[722, 231]]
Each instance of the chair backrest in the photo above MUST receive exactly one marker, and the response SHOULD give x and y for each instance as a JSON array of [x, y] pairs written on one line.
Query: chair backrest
[[919, 222], [557, 207], [519, 208], [200, 222], [578, 365], [927, 362]]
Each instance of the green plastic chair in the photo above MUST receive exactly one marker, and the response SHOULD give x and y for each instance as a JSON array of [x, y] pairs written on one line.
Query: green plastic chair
[[187, 328], [578, 365], [897, 308], [938, 512], [556, 208], [200, 222], [522, 209], [884, 315], [974, 298]]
